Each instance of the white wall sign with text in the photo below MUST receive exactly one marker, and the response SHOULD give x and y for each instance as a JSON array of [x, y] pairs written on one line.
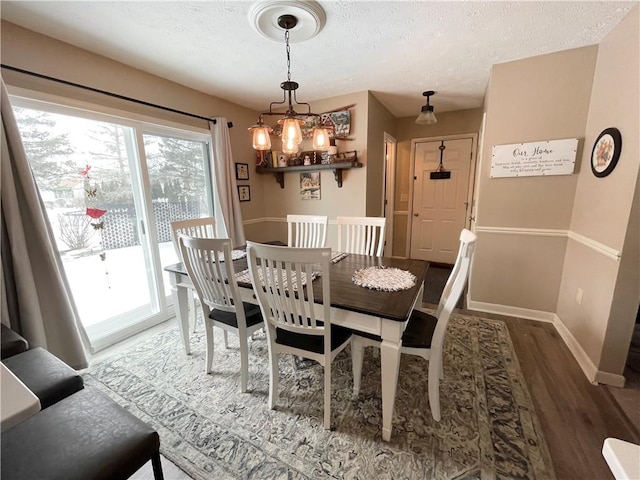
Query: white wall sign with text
[[551, 157]]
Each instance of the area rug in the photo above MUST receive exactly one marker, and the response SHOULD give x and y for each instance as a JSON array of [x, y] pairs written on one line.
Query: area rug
[[488, 429]]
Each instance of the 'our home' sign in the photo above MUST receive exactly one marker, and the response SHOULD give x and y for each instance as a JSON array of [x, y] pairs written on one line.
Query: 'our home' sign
[[551, 157]]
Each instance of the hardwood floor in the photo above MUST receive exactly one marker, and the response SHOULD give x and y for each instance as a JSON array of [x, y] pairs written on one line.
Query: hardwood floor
[[576, 416]]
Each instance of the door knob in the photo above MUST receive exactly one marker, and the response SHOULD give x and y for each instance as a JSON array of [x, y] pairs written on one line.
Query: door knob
[[415, 214]]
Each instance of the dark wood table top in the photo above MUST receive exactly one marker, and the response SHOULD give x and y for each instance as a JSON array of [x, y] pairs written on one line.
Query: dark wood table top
[[347, 295]]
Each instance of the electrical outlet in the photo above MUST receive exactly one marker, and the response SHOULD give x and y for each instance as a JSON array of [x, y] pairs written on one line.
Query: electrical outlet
[[579, 296], [404, 197]]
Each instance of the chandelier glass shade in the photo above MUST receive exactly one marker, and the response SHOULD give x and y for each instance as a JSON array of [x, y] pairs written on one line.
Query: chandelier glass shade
[[427, 117], [291, 121]]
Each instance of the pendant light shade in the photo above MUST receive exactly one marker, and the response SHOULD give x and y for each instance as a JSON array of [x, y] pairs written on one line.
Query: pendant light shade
[[261, 137], [321, 139], [291, 130], [427, 117]]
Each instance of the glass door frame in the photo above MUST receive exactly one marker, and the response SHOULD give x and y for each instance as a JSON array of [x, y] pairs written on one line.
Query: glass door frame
[[140, 126]]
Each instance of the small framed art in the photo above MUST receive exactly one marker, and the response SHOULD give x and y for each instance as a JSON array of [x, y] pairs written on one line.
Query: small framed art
[[242, 171], [606, 152], [280, 159], [310, 186], [244, 193]]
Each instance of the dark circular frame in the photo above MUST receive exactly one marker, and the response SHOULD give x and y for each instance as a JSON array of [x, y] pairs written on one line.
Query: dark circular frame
[[617, 147]]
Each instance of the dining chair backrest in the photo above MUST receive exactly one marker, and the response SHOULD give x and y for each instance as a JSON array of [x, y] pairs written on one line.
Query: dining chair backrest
[[307, 231], [455, 286], [363, 235], [209, 263], [281, 278], [193, 227]]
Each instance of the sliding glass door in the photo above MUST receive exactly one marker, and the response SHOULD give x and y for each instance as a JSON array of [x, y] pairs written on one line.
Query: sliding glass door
[[111, 187]]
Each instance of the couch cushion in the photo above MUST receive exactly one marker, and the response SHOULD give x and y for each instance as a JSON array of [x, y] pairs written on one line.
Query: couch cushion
[[12, 343], [85, 436], [45, 375]]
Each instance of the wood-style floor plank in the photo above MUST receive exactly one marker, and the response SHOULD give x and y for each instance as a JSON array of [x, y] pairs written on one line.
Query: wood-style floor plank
[[576, 416]]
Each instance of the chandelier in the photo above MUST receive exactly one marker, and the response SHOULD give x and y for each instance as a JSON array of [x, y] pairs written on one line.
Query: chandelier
[[292, 121]]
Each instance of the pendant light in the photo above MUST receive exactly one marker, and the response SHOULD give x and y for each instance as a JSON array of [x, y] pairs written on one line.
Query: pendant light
[[427, 117]]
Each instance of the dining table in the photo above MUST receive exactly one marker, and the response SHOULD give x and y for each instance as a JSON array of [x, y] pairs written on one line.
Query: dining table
[[361, 309]]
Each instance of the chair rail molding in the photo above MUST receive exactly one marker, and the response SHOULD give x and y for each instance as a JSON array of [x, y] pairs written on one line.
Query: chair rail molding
[[601, 248], [253, 221]]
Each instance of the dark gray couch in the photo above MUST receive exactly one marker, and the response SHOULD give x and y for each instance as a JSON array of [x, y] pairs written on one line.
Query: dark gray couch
[[79, 434]]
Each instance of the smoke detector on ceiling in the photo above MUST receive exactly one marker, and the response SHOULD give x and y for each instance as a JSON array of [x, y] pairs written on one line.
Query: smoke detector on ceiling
[[310, 17]]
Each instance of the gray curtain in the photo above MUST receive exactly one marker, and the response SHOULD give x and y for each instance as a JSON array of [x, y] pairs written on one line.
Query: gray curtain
[[225, 179], [35, 297]]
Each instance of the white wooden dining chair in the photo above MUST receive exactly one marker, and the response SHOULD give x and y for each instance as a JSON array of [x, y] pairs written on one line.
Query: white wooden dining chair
[[363, 235], [193, 227], [295, 324], [209, 264], [307, 231], [424, 334]]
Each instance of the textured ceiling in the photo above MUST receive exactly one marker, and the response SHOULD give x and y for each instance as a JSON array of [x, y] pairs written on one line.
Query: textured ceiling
[[396, 49]]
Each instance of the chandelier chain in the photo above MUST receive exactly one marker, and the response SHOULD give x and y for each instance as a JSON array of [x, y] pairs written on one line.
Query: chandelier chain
[[286, 39]]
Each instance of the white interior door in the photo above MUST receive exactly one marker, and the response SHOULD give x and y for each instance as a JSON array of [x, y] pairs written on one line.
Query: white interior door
[[440, 206]]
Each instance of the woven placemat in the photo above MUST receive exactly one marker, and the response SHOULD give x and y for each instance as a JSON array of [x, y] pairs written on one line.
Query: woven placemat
[[384, 278]]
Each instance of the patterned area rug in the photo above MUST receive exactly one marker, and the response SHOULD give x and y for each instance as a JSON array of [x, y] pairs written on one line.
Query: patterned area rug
[[489, 428]]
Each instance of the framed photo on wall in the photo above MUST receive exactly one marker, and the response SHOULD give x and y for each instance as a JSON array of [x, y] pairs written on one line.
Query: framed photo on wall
[[244, 193], [242, 171], [310, 186], [606, 152]]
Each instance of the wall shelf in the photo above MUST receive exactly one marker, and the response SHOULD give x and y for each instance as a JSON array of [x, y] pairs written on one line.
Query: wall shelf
[[336, 167]]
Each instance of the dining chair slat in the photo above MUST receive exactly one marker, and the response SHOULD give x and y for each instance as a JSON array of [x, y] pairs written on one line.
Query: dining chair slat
[[362, 235]]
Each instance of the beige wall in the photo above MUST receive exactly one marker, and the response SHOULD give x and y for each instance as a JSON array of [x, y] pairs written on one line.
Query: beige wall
[[539, 98], [380, 121], [606, 211], [37, 53], [449, 123]]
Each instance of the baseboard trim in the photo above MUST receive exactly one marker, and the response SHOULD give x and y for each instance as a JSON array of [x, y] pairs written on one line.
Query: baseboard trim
[[610, 379], [585, 363], [593, 375], [510, 311]]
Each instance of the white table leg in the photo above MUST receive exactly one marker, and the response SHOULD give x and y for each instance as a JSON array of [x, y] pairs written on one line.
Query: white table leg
[[390, 350], [180, 303]]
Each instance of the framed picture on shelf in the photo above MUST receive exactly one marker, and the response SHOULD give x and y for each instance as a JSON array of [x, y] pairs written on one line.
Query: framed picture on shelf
[[242, 171], [244, 193], [280, 159], [308, 158]]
